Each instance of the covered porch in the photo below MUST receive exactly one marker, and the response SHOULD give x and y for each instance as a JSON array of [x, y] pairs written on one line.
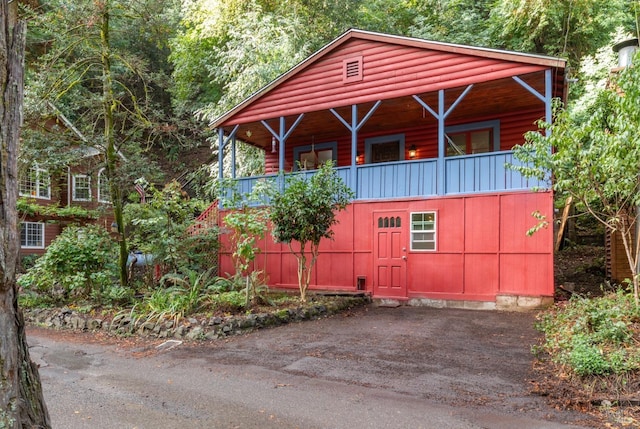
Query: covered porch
[[450, 141]]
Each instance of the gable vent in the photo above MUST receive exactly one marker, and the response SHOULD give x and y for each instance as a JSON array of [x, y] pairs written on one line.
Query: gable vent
[[352, 69]]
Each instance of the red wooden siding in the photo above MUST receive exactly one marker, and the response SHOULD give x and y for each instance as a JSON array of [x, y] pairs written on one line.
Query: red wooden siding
[[482, 249], [390, 71]]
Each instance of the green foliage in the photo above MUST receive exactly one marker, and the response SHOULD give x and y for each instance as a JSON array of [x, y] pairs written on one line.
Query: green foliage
[[28, 206], [594, 158], [79, 263], [593, 336], [184, 295], [247, 219], [161, 227], [571, 29]]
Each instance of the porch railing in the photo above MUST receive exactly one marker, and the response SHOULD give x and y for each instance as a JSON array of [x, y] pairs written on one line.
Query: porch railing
[[418, 178]]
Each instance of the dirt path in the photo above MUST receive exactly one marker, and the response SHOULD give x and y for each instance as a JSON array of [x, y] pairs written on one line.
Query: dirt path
[[372, 367]]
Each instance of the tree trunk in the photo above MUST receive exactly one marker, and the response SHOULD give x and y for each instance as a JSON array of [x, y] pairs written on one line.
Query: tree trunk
[[111, 155], [21, 401]]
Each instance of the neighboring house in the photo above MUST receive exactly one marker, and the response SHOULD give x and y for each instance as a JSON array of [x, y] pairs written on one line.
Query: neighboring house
[[83, 185], [422, 132]]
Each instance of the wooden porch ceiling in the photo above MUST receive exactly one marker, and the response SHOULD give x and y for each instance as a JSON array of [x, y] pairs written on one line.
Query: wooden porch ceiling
[[483, 101]]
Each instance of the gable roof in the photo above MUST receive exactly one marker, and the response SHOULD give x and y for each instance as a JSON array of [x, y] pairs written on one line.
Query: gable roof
[[537, 61]]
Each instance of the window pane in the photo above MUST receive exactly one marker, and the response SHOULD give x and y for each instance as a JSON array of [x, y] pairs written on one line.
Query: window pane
[[457, 144], [424, 245], [43, 184], [103, 187], [324, 156], [481, 141]]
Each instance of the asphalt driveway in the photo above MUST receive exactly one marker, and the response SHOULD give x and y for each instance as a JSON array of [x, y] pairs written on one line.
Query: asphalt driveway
[[368, 368]]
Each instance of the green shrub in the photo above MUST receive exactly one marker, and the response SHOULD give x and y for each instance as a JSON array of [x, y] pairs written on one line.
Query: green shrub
[[593, 336], [79, 263]]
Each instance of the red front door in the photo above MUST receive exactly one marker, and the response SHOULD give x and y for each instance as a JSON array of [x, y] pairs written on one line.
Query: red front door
[[390, 255]]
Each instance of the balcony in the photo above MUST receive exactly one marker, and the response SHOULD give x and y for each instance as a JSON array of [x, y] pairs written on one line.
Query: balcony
[[468, 174]]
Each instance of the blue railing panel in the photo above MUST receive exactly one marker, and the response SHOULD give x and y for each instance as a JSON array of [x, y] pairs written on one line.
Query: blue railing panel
[[397, 179], [417, 178], [485, 173]]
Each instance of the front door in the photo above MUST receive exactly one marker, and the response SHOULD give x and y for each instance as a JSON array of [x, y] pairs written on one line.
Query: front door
[[390, 255]]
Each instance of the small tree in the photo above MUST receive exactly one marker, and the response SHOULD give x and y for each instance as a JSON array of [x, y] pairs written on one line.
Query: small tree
[[596, 160], [247, 221], [305, 212]]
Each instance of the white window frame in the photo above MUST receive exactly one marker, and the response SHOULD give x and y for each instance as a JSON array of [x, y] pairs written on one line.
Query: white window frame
[[27, 226], [75, 187], [41, 183], [103, 187], [414, 231]]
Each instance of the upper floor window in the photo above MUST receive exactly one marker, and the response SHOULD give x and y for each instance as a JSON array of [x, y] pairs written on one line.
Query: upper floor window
[[313, 156], [103, 187], [384, 149], [81, 187], [36, 183], [469, 139], [32, 235]]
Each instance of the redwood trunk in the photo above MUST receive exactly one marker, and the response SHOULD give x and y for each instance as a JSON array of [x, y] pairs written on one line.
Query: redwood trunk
[[21, 400]]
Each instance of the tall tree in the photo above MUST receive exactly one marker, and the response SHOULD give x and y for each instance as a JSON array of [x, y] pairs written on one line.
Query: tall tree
[[570, 28], [108, 83], [21, 401]]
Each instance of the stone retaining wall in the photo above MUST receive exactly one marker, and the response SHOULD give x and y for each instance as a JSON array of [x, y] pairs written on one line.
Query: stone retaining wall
[[191, 328]]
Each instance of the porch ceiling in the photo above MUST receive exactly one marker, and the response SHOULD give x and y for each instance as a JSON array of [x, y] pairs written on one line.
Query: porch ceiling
[[483, 101]]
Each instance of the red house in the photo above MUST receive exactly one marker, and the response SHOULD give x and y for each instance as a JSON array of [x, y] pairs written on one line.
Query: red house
[[422, 132], [83, 185]]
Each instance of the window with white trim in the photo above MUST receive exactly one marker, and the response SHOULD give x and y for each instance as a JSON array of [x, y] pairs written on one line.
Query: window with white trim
[[35, 183], [423, 231], [32, 235], [103, 186], [81, 187]]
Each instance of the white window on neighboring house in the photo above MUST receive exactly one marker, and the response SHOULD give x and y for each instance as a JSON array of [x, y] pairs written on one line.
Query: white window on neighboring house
[[35, 183], [81, 187], [103, 187], [32, 235]]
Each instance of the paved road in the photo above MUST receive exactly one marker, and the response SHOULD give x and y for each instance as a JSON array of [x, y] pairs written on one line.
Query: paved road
[[371, 368]]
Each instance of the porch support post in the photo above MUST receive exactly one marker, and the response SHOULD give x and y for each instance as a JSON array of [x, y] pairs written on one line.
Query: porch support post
[[546, 98], [222, 143], [441, 115], [233, 157], [442, 148], [354, 127], [282, 135]]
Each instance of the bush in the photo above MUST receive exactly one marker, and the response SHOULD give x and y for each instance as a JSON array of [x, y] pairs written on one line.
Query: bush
[[80, 263], [593, 336]]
